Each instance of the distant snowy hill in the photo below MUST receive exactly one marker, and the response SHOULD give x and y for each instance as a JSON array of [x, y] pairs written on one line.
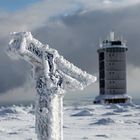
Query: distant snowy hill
[[89, 122]]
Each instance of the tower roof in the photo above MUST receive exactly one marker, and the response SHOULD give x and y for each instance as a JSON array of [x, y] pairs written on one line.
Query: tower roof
[[113, 41]]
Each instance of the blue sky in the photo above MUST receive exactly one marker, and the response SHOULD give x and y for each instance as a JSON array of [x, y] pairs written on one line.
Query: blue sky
[[14, 5]]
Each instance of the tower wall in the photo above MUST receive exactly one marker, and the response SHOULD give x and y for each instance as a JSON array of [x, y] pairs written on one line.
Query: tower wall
[[112, 70]]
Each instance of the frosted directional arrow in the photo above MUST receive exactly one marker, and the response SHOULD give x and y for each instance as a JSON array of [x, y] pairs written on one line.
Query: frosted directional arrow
[[53, 75]]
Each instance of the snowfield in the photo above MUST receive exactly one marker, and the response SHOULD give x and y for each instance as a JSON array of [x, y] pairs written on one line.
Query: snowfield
[[85, 122]]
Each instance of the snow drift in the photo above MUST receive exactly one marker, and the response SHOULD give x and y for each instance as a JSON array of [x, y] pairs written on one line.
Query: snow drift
[[20, 125], [83, 113]]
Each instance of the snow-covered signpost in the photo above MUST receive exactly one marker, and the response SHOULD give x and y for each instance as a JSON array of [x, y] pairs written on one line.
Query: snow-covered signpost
[[53, 76]]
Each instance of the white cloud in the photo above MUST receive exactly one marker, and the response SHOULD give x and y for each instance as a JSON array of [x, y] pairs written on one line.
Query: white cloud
[[107, 4], [20, 94], [34, 16], [37, 14], [27, 92], [133, 81]]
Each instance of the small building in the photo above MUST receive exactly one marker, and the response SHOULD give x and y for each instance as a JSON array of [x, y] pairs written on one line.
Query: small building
[[112, 71]]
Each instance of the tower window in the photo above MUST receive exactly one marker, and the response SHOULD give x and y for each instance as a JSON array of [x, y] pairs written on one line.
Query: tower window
[[116, 43], [101, 56], [102, 74], [102, 84], [101, 65]]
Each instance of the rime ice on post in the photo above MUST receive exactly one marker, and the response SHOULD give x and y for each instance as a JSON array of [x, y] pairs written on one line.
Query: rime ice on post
[[53, 75]]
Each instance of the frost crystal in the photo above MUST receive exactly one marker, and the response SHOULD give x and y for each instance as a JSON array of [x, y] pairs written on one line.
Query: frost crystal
[[53, 75]]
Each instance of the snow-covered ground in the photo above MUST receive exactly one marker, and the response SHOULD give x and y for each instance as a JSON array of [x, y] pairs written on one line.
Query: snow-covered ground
[[85, 122]]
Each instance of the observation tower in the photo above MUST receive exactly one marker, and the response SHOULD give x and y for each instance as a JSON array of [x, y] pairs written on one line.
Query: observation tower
[[112, 71]]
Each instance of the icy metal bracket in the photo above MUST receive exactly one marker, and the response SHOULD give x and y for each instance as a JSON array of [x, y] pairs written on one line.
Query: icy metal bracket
[[53, 75]]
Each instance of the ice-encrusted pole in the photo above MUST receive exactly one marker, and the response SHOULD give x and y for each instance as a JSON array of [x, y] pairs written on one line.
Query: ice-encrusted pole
[[53, 76]]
